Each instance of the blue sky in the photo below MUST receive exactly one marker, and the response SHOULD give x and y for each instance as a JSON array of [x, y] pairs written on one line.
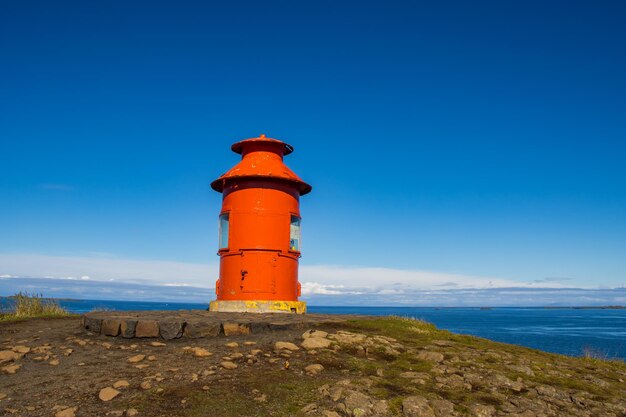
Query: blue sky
[[450, 146]]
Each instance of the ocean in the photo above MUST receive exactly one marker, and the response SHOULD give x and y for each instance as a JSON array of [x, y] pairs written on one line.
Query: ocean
[[568, 331]]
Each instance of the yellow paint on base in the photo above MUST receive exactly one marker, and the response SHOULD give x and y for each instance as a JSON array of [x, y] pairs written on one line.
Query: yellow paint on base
[[258, 306]]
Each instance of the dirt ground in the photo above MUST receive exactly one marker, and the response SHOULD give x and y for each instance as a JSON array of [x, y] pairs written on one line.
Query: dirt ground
[[66, 367]]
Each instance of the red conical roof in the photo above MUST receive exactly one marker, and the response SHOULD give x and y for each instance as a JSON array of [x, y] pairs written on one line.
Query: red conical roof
[[261, 158]]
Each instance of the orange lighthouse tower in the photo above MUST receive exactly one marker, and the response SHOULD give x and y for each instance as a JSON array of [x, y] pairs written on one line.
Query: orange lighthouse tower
[[259, 231]]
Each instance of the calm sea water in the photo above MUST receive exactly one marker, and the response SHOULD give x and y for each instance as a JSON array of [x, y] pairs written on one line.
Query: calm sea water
[[560, 330]]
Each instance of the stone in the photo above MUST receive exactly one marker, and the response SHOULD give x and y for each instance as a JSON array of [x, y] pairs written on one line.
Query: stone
[[136, 358], [315, 342], [442, 408], [228, 365], [93, 324], [111, 327], [157, 344], [127, 328], [131, 412], [67, 412], [152, 358], [171, 329], [314, 369], [232, 345], [480, 410], [147, 328], [348, 338], [199, 352], [9, 355], [122, 383], [195, 329], [145, 385], [430, 356], [314, 333], [11, 369], [285, 346], [3, 395], [235, 328], [416, 406], [54, 362], [21, 349], [357, 403], [381, 408], [142, 366], [249, 343], [108, 393]]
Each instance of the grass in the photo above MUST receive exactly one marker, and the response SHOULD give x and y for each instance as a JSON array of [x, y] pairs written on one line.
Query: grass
[[27, 306]]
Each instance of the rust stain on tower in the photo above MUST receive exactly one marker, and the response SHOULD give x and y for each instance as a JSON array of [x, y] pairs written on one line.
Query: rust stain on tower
[[259, 231]]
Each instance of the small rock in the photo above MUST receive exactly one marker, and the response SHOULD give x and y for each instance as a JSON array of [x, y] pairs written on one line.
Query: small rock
[[54, 362], [200, 352], [249, 343], [314, 333], [122, 383], [11, 369], [286, 346], [232, 345], [228, 365], [261, 398], [155, 344], [68, 412], [480, 410], [430, 356], [21, 349], [145, 385], [136, 358], [108, 393], [9, 355], [68, 352], [131, 412], [314, 369], [152, 358], [3, 395]]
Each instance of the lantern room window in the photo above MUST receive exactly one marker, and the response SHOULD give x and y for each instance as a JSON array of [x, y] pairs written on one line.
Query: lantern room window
[[294, 234], [223, 231]]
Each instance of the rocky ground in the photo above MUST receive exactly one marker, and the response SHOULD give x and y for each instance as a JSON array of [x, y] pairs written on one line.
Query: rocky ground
[[361, 367]]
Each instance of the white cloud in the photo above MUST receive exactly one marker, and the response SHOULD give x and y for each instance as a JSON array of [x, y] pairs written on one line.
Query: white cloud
[[334, 281], [309, 288]]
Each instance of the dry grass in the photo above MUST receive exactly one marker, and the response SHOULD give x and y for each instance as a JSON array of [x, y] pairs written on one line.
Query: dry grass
[[26, 306]]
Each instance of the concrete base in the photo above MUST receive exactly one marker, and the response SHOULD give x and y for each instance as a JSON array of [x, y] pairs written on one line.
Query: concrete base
[[258, 306]]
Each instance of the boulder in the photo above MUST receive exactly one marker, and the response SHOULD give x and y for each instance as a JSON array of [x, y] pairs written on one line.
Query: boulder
[[111, 327], [171, 329], [197, 329], [127, 328], [416, 406], [315, 342], [147, 328]]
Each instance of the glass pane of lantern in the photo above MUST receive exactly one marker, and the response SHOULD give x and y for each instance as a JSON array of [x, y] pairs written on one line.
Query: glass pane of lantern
[[294, 234], [223, 231]]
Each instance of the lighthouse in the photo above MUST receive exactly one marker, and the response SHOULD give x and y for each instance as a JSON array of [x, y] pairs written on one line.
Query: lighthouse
[[259, 231]]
